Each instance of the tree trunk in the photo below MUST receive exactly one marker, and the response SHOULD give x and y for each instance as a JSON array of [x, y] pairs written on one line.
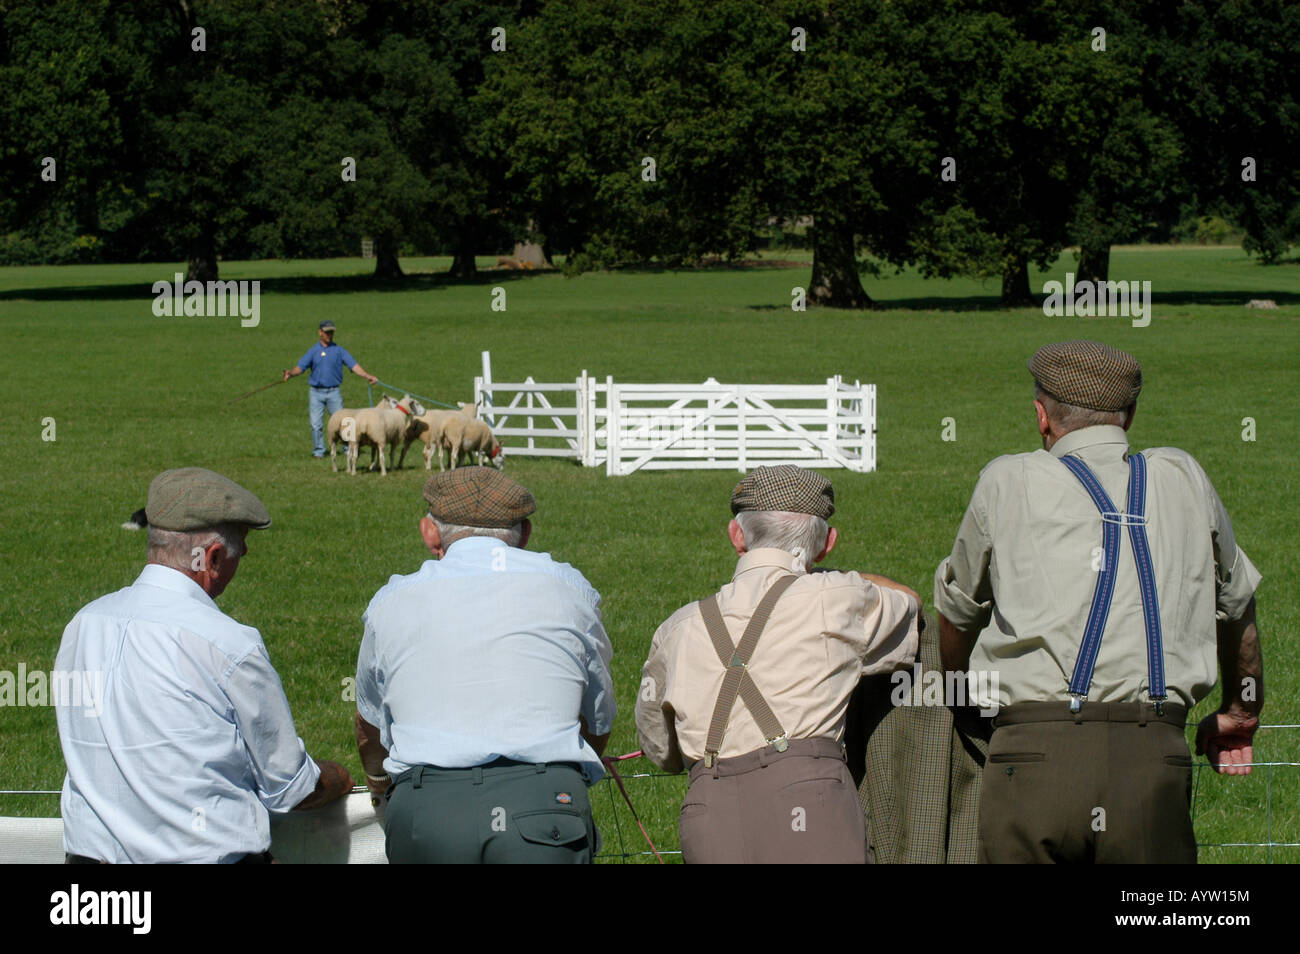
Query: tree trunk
[[463, 264], [386, 262], [530, 255], [202, 266], [835, 282], [1094, 262], [1015, 281]]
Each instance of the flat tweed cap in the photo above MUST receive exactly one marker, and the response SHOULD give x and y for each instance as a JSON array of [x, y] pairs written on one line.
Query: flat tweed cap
[[478, 497], [1088, 374], [194, 498], [786, 487]]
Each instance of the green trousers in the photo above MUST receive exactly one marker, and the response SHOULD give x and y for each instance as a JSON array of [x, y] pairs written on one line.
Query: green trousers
[[503, 813], [1110, 786]]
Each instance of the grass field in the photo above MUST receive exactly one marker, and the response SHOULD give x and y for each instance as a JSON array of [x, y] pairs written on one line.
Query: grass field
[[133, 394]]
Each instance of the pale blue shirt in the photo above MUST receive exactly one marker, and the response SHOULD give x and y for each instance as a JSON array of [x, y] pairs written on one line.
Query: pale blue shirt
[[491, 652], [192, 743]]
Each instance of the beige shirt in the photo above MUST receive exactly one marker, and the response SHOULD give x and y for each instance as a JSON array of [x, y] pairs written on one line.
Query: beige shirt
[[826, 632], [1024, 568]]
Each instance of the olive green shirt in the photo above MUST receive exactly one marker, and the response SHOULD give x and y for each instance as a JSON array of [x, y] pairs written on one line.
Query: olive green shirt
[[1024, 568]]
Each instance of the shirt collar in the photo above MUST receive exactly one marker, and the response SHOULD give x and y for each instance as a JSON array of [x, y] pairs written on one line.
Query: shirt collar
[[165, 578], [1087, 437], [473, 542], [768, 557]]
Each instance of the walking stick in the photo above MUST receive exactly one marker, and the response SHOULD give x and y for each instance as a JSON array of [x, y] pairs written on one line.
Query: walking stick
[[255, 390]]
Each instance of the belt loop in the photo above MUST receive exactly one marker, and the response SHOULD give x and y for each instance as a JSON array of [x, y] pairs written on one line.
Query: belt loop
[[1078, 714], [541, 768], [417, 777], [1142, 713], [477, 774]]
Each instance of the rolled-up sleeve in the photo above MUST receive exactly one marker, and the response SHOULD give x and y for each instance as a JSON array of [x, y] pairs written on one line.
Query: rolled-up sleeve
[[963, 591], [369, 685], [656, 726], [281, 770], [598, 705], [1235, 577], [892, 633]]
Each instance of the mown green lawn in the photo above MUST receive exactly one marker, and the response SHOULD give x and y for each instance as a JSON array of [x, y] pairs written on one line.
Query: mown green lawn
[[132, 394]]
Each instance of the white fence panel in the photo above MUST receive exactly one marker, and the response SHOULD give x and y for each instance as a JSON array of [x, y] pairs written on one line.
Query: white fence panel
[[631, 427]]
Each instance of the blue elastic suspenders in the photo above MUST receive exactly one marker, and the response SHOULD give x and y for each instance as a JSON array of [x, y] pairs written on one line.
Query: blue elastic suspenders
[[1111, 521]]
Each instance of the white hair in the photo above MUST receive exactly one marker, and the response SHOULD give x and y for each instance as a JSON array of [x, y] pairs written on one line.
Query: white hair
[[510, 536], [802, 534], [175, 548], [1071, 417]]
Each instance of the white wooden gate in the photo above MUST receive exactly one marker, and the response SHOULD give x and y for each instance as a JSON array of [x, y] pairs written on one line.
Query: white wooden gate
[[631, 427]]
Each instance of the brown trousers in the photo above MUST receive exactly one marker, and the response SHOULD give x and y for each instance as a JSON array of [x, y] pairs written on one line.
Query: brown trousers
[[1112, 786], [799, 806]]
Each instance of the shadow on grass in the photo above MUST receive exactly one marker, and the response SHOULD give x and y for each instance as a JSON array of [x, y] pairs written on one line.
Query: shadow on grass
[[293, 285], [993, 303]]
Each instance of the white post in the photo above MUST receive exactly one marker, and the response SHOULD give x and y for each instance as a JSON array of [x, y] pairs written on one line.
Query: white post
[[487, 387], [580, 419], [832, 412], [612, 425], [742, 398]]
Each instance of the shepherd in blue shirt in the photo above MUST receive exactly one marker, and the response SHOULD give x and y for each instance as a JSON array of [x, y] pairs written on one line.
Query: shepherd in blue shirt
[[326, 361]]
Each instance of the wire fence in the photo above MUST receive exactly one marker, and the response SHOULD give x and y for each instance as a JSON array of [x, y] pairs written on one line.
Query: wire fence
[[624, 852], [1268, 844]]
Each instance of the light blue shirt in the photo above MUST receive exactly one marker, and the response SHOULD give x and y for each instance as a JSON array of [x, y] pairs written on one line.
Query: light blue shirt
[[192, 743], [491, 652]]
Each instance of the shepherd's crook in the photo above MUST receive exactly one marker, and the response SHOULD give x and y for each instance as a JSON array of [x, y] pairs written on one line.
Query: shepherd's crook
[[255, 390]]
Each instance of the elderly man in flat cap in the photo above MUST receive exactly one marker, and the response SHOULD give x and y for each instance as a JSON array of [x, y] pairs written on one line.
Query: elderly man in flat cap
[[484, 697], [326, 361], [1104, 587], [192, 742], [748, 688]]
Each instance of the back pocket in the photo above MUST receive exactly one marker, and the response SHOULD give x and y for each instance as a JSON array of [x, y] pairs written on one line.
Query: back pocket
[[551, 827]]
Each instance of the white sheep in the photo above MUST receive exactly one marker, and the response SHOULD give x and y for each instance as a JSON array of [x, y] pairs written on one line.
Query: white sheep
[[473, 437], [342, 427], [383, 427], [430, 426]]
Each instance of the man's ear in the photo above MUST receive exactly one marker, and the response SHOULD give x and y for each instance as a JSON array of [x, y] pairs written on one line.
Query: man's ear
[[214, 558], [1044, 425], [737, 537], [1128, 418], [527, 531], [429, 533], [831, 536]]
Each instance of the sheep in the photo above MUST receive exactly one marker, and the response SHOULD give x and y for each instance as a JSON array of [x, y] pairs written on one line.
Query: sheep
[[383, 427], [472, 437], [429, 430], [338, 430]]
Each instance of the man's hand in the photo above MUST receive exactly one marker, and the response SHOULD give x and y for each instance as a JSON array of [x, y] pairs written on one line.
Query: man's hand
[[334, 783], [1226, 739]]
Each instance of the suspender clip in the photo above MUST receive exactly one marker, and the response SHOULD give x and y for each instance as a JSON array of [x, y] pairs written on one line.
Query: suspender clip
[[780, 743], [710, 758], [1159, 703], [1076, 702]]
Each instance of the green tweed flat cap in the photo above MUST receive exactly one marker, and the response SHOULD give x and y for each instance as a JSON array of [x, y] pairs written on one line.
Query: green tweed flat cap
[[194, 498], [786, 487], [478, 497], [1088, 374]]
